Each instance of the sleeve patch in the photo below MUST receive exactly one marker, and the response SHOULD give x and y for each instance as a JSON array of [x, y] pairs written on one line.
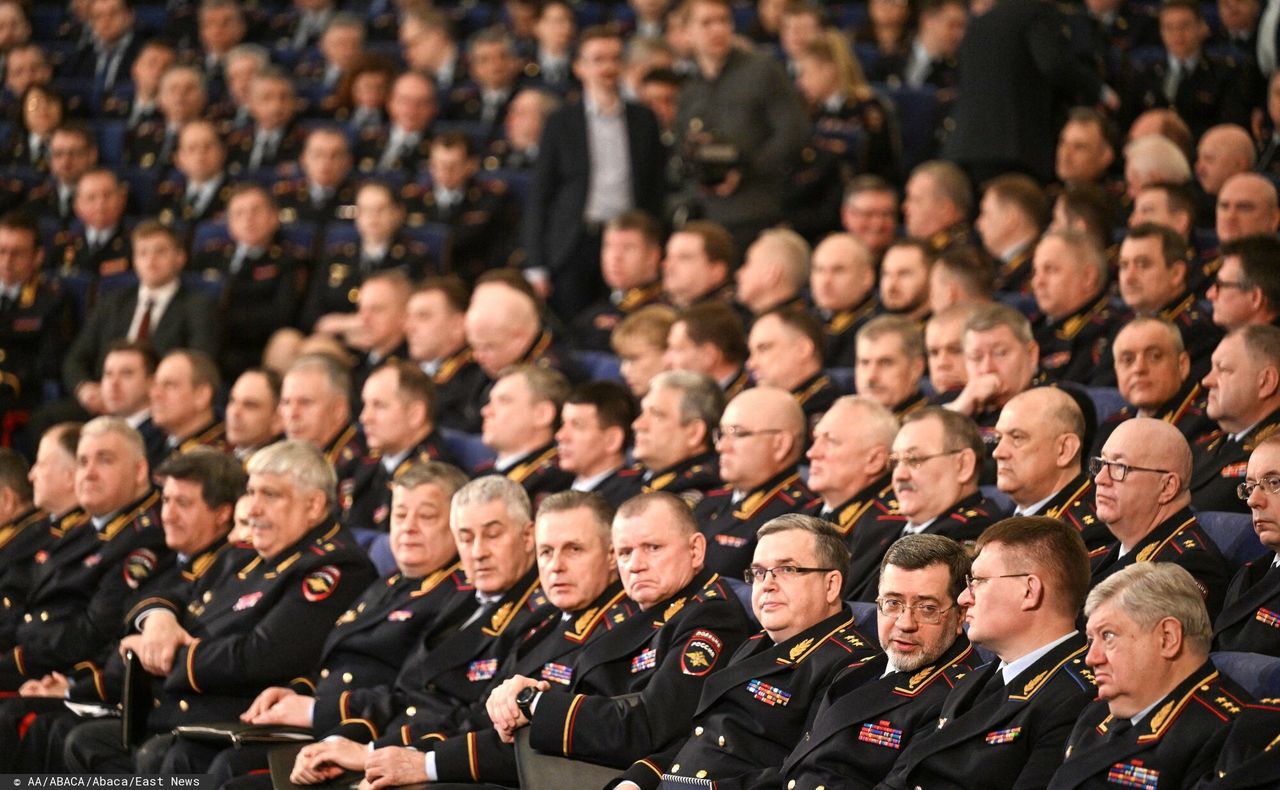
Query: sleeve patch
[[138, 566], [320, 584], [700, 653]]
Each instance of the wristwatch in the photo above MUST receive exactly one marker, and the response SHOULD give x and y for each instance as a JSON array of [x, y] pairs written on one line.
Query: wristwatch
[[524, 701]]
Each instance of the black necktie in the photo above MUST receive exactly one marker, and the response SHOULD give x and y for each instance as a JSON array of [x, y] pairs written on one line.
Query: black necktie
[[1117, 728]]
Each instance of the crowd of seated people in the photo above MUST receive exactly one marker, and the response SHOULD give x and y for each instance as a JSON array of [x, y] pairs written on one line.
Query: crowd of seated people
[[390, 369]]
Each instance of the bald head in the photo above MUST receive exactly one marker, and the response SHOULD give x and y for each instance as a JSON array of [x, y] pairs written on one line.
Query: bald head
[[1247, 206], [841, 273], [1054, 406], [1224, 151], [1153, 442], [501, 325], [762, 433]]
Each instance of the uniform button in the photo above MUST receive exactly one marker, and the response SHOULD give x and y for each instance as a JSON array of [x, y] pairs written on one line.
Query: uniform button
[[791, 785], [44, 618], [183, 705], [155, 703], [820, 787], [324, 673], [675, 769], [347, 677], [26, 617], [697, 730], [701, 774], [721, 741], [411, 711]]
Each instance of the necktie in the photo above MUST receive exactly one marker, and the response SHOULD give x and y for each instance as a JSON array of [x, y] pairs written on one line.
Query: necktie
[[481, 611], [1118, 728], [144, 325], [7, 302], [391, 156], [237, 260], [1172, 80]]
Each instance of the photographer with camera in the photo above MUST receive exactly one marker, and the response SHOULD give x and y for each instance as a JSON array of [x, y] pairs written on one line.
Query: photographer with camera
[[742, 123]]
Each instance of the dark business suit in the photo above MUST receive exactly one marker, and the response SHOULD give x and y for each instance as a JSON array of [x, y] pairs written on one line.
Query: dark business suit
[[554, 234], [1020, 46], [190, 321]]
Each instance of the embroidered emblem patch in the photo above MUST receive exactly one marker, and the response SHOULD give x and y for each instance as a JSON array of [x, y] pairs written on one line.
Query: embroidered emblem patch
[[882, 733], [648, 659], [484, 669], [1003, 736], [138, 566], [321, 583], [769, 695], [557, 673], [1133, 775], [700, 653], [247, 601]]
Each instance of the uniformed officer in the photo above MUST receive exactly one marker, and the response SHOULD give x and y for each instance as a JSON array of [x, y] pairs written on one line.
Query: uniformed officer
[[594, 434], [673, 447], [1001, 359], [889, 363], [262, 277], [1040, 461], [630, 257], [842, 280], [760, 439], [435, 333], [381, 245], [301, 572], [316, 407], [1011, 213], [399, 424], [1163, 710], [872, 712], [752, 712], [786, 351], [934, 468], [481, 214], [849, 471], [1248, 758], [495, 75], [1153, 372], [1069, 282], [150, 145], [1250, 616], [321, 190], [36, 321], [53, 490], [1142, 495], [1246, 410], [24, 530], [96, 245], [78, 588], [519, 426], [253, 418], [937, 205], [198, 188], [708, 338], [398, 611], [73, 151], [182, 397], [1006, 723], [404, 143], [271, 138]]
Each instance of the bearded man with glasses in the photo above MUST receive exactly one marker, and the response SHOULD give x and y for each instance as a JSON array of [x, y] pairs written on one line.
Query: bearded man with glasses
[[1142, 494], [1249, 621], [871, 712], [1006, 723]]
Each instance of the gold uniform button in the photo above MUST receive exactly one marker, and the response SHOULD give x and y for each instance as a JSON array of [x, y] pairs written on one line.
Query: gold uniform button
[[347, 677], [701, 774], [791, 785], [820, 787], [44, 617], [697, 730], [324, 673], [411, 711], [721, 741], [183, 705], [26, 617], [675, 769]]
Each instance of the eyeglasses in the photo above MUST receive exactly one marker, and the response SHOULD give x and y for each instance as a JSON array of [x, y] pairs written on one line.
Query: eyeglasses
[[1270, 483], [1119, 471], [925, 613], [914, 462], [976, 581], [738, 432], [1220, 283], [756, 575]]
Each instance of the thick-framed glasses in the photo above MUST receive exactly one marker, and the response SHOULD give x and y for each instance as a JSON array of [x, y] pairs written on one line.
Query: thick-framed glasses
[[1118, 471], [1269, 483], [1220, 283], [756, 575], [914, 462], [728, 432], [925, 613], [974, 582]]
